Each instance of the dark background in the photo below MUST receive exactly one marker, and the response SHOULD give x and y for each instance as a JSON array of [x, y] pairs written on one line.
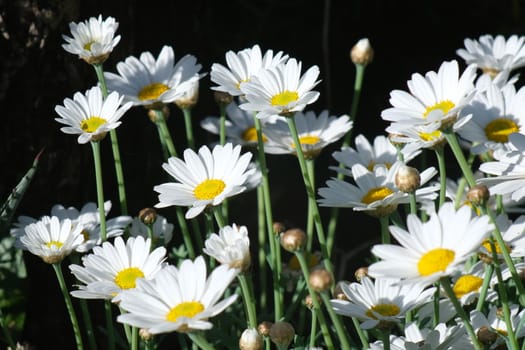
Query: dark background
[[37, 74]]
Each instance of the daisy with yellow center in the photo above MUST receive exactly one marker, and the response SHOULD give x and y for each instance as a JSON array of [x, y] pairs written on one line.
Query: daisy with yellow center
[[315, 132], [92, 40], [383, 300], [178, 299], [513, 237], [115, 267], [50, 238], [436, 97], [205, 178], [150, 82], [90, 115], [281, 90], [433, 249], [375, 191], [420, 136]]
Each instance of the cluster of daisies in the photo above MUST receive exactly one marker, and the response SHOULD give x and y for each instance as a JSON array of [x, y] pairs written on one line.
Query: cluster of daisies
[[446, 277]]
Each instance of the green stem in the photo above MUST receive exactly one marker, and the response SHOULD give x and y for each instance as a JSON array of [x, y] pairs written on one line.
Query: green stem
[[186, 236], [109, 325], [358, 83], [413, 203], [261, 248], [440, 154], [489, 269], [445, 283], [310, 164], [134, 338], [275, 251], [315, 301], [222, 124], [360, 333], [385, 234], [311, 194], [127, 327], [69, 305], [386, 339], [165, 132], [249, 300], [342, 333], [189, 127], [313, 330], [218, 217], [460, 157], [436, 298], [201, 342], [100, 189], [86, 317]]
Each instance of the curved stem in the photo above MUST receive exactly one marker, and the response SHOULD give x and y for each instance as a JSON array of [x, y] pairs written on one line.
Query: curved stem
[[100, 189], [249, 301], [460, 157]]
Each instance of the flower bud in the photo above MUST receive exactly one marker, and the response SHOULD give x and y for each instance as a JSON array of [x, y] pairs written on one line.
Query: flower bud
[[250, 340], [152, 112], [362, 52], [148, 216], [478, 195], [264, 328], [278, 227], [486, 336], [293, 239], [338, 291], [282, 334], [360, 273], [222, 98], [407, 179], [145, 334], [320, 280]]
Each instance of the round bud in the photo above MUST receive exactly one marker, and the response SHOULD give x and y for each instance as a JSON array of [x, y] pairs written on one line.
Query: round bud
[[360, 273], [486, 336], [222, 98], [148, 216], [362, 52], [145, 334], [293, 239], [264, 328], [478, 195], [338, 291], [407, 179], [154, 111], [278, 227], [282, 334], [320, 280], [250, 340]]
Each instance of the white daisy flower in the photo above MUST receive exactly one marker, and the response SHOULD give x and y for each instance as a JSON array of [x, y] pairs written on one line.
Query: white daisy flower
[[435, 97], [508, 169], [280, 90], [162, 229], [231, 247], [418, 136], [51, 239], [242, 66], [315, 132], [494, 54], [467, 285], [512, 234], [381, 301], [112, 268], [178, 299], [432, 249], [93, 40], [496, 113], [239, 126], [495, 324], [90, 115], [382, 151], [204, 178], [374, 192], [150, 82]]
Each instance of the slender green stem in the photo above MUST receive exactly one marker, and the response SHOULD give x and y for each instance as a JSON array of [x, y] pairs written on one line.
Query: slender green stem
[[99, 70], [275, 251], [310, 164], [358, 83], [261, 247], [340, 329], [110, 327], [86, 317], [315, 301], [363, 338], [69, 305], [386, 339], [385, 233], [127, 327], [249, 300], [165, 132], [489, 269], [218, 217], [311, 194], [445, 283], [197, 338], [460, 157], [186, 236], [151, 236], [440, 155], [313, 330], [436, 299], [413, 203], [189, 127], [100, 189], [134, 338], [222, 124]]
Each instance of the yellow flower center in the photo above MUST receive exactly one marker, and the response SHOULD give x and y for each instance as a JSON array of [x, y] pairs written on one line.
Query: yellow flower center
[[87, 46], [499, 129], [250, 135], [308, 140], [444, 106], [488, 247], [185, 309], [435, 260], [127, 278], [152, 91], [384, 310], [56, 244], [86, 235], [376, 194], [466, 284], [430, 136], [284, 98], [91, 124], [209, 189]]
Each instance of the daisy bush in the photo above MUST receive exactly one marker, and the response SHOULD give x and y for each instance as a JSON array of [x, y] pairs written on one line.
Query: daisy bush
[[442, 269]]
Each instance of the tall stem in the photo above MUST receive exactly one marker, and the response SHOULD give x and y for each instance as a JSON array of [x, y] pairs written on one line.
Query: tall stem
[[249, 301], [100, 189], [165, 132], [189, 127], [440, 154]]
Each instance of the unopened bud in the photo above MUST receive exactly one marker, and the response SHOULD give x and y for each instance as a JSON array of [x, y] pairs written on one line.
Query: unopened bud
[[293, 239], [155, 111], [338, 290], [486, 336], [222, 98], [145, 334], [362, 52], [478, 195], [264, 328], [148, 216], [407, 179], [282, 334], [360, 273], [250, 340], [278, 227], [320, 280]]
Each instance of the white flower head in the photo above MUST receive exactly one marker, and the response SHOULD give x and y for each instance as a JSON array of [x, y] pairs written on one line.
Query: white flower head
[[90, 115], [115, 267], [494, 323], [178, 299], [433, 249], [93, 40], [281, 90], [494, 54], [512, 234], [242, 67], [205, 178], [231, 247], [150, 82], [162, 229], [315, 132], [436, 97], [51, 239], [383, 300]]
